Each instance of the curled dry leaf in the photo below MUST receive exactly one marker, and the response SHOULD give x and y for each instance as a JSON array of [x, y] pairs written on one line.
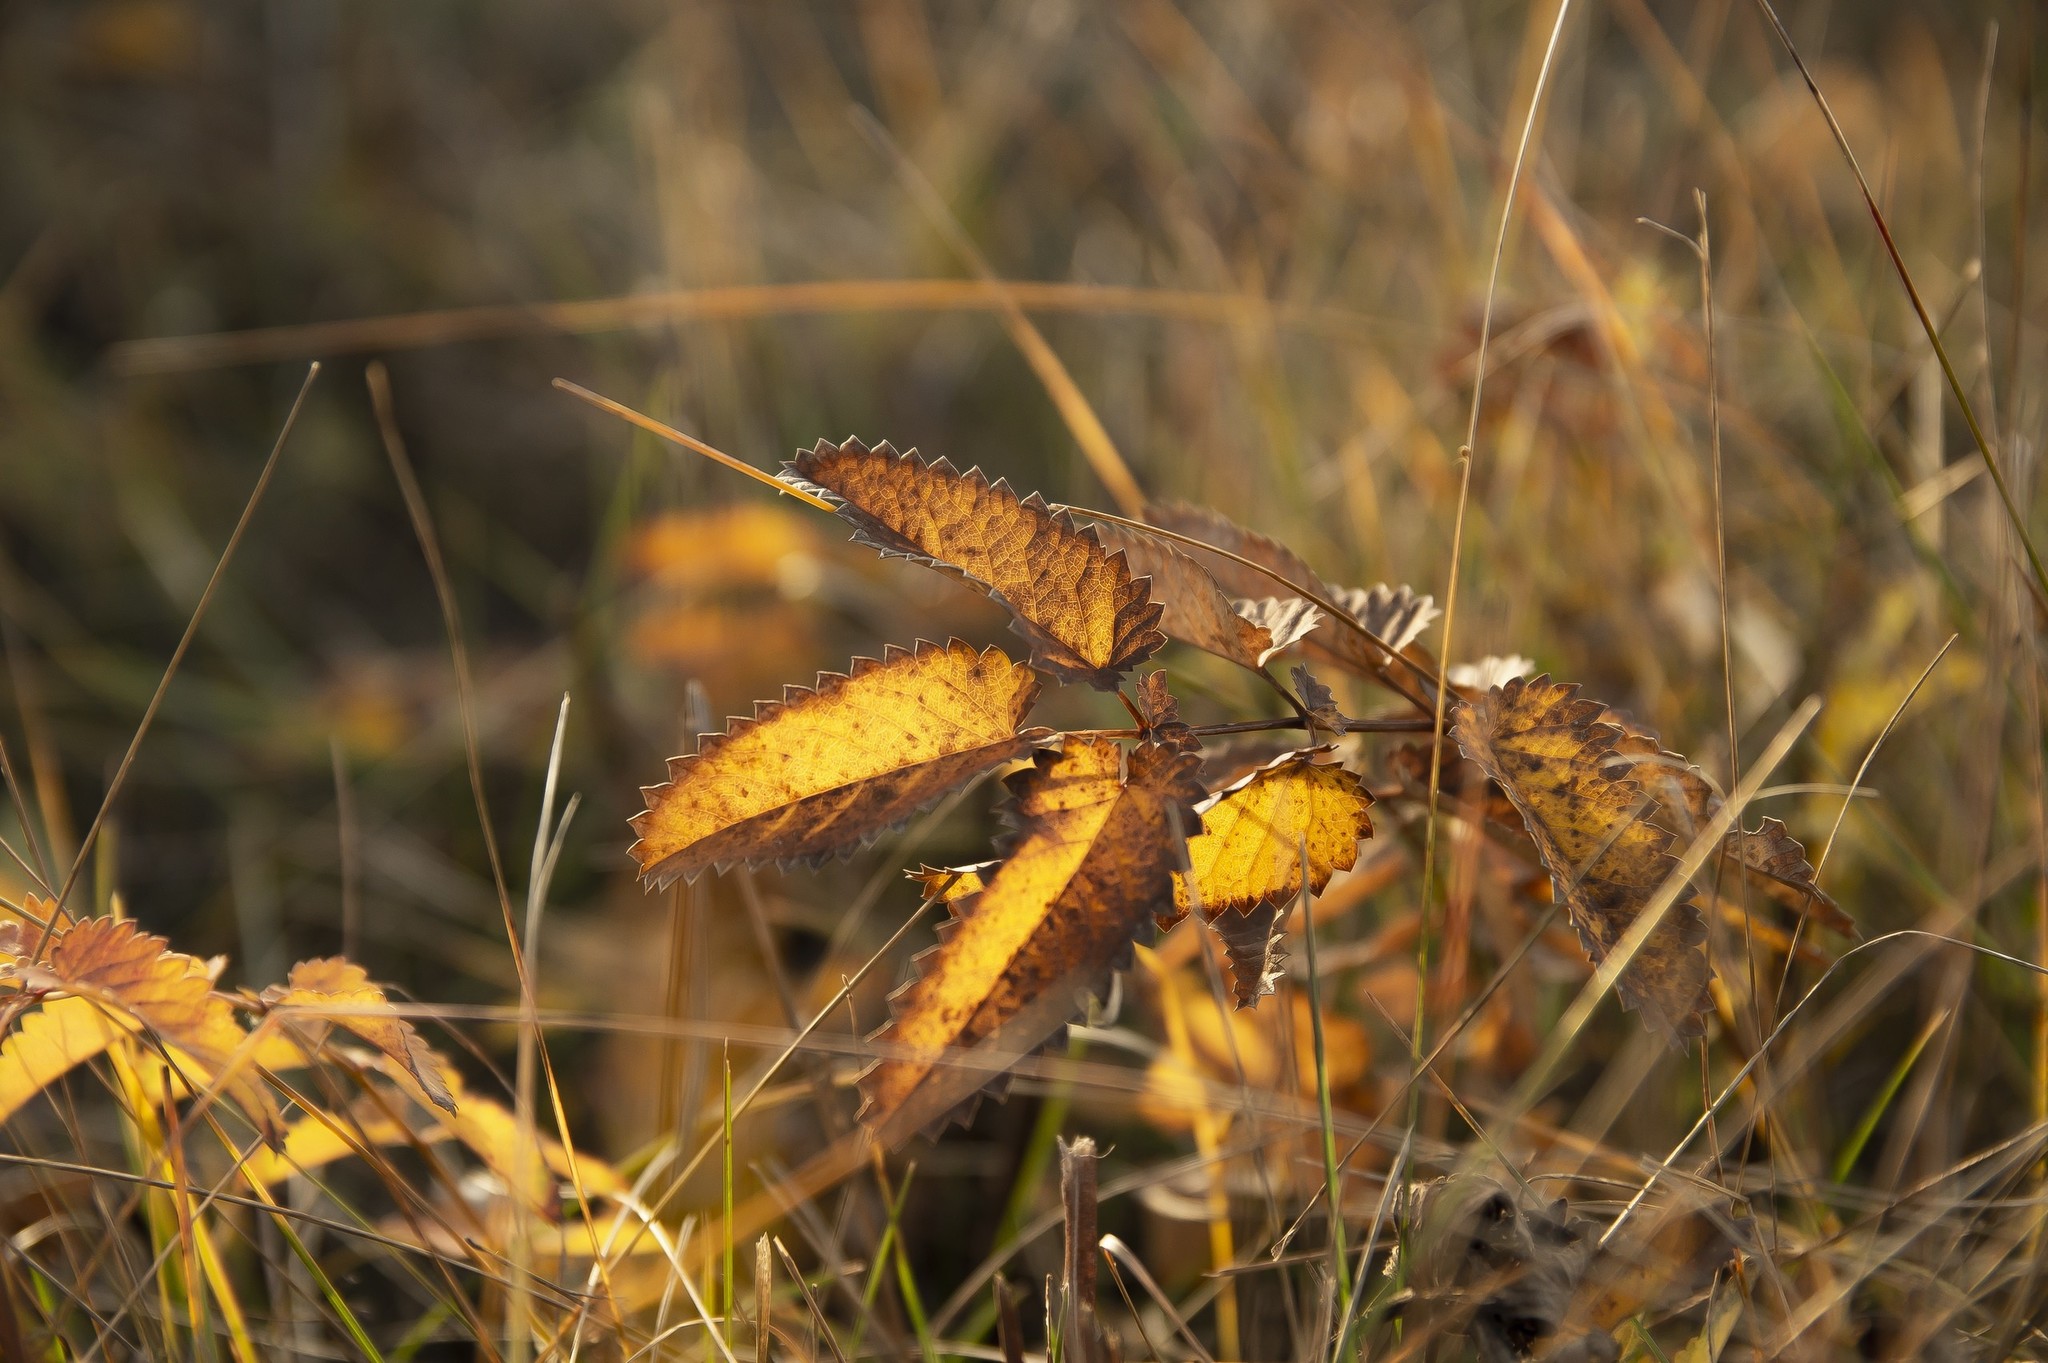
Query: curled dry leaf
[[1394, 614], [134, 974], [1161, 712], [336, 991], [1098, 838], [822, 771], [1196, 611], [1286, 620], [1086, 616], [1253, 835], [1252, 956], [1590, 818], [1320, 700], [1477, 678]]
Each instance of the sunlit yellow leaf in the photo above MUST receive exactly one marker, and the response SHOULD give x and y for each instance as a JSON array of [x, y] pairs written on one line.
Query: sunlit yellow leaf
[[121, 967], [1098, 836], [1255, 832], [322, 1138], [823, 771], [338, 991], [49, 1041]]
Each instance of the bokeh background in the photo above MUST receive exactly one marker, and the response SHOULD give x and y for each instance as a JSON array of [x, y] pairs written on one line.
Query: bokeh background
[[1258, 236]]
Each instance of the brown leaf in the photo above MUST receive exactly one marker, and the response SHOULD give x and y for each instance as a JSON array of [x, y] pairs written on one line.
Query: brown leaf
[[1163, 723], [1320, 700], [1098, 837], [1590, 819], [1254, 832], [134, 972], [338, 991], [822, 771], [1086, 617], [1236, 580], [1251, 950], [1394, 614], [1771, 858], [1195, 610]]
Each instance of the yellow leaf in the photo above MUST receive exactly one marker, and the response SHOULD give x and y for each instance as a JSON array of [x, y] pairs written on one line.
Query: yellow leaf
[[321, 1139], [338, 991], [1098, 836], [492, 1131], [821, 772], [1590, 817], [49, 1041], [1254, 832], [120, 966], [1086, 618]]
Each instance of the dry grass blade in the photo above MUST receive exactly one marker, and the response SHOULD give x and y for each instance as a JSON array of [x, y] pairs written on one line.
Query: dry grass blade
[[156, 700], [688, 442], [825, 770], [1948, 369], [1081, 1336], [1075, 409]]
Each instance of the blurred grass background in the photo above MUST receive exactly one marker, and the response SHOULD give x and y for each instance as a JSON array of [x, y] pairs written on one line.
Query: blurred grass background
[[1271, 224]]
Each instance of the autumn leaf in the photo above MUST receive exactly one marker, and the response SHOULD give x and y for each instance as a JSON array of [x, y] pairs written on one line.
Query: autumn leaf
[[948, 883], [1318, 698], [1080, 605], [1287, 620], [321, 1138], [338, 991], [1479, 677], [1214, 528], [1253, 833], [116, 965], [1769, 855], [48, 1042], [1195, 610], [1252, 956], [822, 771], [1161, 713], [1098, 837], [1590, 819], [1395, 615]]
